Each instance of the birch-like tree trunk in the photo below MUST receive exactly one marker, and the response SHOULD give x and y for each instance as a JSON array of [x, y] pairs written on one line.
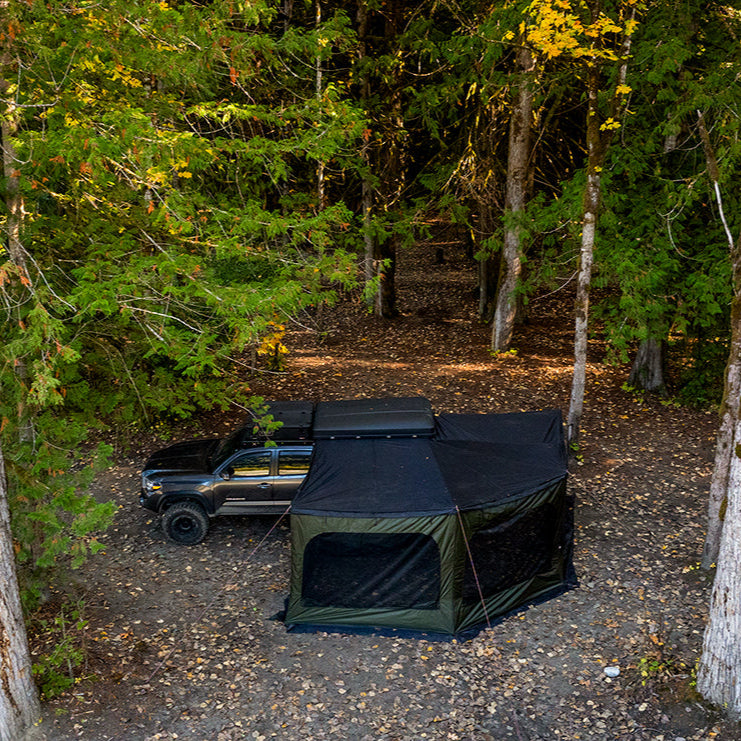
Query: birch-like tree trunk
[[595, 151], [598, 141], [518, 159], [724, 446], [19, 702], [726, 440], [719, 670]]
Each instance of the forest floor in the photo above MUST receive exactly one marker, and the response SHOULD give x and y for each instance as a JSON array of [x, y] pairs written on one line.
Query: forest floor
[[181, 642]]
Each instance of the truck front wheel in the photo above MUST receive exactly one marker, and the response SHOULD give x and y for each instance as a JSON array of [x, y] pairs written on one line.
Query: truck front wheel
[[185, 523]]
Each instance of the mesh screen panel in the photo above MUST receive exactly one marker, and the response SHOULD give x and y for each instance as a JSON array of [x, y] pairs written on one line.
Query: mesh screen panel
[[510, 551], [371, 570]]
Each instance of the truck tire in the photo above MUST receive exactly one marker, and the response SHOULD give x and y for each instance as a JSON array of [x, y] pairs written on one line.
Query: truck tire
[[185, 523]]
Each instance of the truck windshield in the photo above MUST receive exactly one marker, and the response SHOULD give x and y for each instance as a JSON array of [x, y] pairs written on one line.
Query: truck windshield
[[226, 448]]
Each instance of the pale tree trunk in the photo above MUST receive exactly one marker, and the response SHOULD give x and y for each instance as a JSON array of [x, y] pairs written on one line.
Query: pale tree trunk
[[719, 670], [717, 499], [518, 158], [597, 145], [729, 410], [725, 442], [586, 258], [19, 702]]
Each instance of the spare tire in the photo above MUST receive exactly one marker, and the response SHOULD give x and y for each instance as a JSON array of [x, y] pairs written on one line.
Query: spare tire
[[185, 523]]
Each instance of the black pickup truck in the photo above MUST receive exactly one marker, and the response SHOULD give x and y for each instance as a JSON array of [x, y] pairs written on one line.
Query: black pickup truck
[[251, 473]]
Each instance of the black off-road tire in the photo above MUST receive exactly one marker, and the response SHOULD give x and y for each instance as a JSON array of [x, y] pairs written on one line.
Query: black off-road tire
[[185, 523]]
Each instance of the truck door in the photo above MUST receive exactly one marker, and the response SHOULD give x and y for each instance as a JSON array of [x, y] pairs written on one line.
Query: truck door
[[244, 482]]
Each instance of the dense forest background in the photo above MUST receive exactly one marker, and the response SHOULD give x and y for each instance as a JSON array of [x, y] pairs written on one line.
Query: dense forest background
[[182, 180]]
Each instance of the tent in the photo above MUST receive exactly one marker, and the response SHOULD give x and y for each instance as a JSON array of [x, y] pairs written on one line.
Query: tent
[[438, 535]]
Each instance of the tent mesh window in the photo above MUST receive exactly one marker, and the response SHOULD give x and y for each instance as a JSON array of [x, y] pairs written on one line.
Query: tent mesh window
[[510, 551], [371, 570]]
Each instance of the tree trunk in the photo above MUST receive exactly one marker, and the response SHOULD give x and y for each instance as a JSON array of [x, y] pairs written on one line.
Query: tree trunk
[[19, 702], [729, 410], [517, 179], [386, 161], [318, 87], [724, 446], [13, 224], [366, 203], [720, 663], [586, 257], [647, 372], [391, 171], [597, 145]]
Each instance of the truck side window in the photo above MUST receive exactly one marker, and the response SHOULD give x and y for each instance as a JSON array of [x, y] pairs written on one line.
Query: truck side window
[[293, 462], [252, 464]]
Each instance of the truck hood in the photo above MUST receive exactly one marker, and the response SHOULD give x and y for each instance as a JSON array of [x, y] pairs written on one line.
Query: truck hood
[[192, 455]]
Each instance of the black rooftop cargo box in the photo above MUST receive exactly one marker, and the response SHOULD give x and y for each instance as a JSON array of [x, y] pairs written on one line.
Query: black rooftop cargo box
[[347, 419], [296, 416], [369, 418]]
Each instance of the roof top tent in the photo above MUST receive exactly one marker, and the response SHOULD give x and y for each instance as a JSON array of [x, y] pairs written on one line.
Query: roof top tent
[[369, 418], [352, 418], [439, 536]]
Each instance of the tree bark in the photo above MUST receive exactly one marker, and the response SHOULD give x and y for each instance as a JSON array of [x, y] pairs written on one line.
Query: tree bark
[[729, 410], [647, 372], [367, 192], [586, 258], [392, 172], [518, 159], [19, 702], [318, 87], [724, 446], [597, 145], [386, 161], [720, 663]]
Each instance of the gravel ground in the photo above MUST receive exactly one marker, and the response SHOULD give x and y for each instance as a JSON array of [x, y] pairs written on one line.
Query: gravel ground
[[182, 643]]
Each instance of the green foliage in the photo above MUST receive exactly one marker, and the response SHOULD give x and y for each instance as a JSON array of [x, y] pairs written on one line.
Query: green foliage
[[698, 367], [53, 518], [167, 168], [64, 636], [663, 256]]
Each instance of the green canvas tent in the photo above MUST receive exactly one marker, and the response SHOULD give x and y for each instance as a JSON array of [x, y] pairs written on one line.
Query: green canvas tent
[[437, 535]]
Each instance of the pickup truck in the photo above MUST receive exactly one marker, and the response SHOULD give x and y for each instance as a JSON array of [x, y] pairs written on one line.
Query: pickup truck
[[249, 472]]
